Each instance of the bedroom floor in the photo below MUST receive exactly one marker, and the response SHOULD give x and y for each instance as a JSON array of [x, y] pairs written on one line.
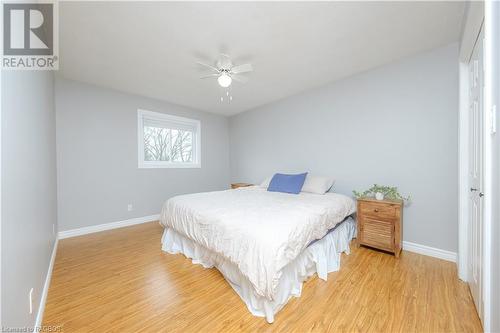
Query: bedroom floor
[[120, 281]]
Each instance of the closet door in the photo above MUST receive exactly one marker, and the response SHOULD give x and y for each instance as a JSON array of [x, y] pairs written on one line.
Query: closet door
[[476, 84]]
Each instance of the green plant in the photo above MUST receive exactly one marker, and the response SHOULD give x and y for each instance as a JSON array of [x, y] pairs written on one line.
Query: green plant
[[389, 192]]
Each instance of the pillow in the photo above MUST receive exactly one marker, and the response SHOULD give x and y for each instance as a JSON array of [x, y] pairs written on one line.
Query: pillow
[[266, 182], [318, 185], [287, 183], [312, 184]]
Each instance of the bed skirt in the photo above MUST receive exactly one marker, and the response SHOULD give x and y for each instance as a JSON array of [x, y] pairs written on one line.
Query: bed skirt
[[321, 257]]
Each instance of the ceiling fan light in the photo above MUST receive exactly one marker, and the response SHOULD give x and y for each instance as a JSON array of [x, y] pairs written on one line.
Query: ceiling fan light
[[224, 80]]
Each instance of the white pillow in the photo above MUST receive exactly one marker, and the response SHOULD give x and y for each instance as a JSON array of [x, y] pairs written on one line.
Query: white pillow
[[266, 182], [317, 184], [312, 184]]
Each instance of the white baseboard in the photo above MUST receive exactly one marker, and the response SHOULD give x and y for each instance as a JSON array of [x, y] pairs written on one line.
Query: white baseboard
[[107, 226], [45, 291], [430, 251]]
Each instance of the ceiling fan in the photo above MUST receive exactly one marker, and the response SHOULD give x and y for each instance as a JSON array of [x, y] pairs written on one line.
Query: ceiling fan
[[225, 71]]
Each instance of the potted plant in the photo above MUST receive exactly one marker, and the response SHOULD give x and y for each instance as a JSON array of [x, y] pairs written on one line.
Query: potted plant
[[380, 192]]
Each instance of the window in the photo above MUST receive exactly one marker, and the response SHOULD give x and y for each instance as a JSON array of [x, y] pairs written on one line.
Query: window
[[167, 141]]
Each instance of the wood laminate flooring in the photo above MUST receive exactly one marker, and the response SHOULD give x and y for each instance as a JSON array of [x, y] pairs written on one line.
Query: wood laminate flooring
[[121, 281]]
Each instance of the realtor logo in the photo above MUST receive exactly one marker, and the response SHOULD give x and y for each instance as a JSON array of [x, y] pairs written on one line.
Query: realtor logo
[[29, 36]]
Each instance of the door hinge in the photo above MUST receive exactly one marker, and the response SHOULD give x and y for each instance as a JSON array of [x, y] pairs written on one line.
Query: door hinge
[[475, 74], [494, 119]]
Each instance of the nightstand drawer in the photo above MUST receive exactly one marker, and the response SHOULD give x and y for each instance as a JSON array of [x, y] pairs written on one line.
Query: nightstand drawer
[[376, 210], [377, 233]]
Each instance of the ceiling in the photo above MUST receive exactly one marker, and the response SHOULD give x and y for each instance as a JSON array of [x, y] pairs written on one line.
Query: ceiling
[[151, 48]]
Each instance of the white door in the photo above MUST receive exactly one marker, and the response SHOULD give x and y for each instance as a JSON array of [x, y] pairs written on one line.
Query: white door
[[476, 173]]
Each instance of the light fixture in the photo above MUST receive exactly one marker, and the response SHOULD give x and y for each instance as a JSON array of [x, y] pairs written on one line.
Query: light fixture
[[224, 80]]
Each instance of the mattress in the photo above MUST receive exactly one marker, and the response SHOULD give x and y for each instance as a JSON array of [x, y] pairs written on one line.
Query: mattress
[[259, 232]]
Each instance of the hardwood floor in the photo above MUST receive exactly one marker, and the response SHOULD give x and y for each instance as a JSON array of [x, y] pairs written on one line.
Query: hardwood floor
[[121, 281]]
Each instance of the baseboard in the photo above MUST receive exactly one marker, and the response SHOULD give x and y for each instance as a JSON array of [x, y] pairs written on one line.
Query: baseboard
[[430, 251], [45, 291], [107, 226]]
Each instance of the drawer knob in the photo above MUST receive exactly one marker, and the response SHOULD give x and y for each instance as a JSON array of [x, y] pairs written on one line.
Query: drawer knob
[[375, 210]]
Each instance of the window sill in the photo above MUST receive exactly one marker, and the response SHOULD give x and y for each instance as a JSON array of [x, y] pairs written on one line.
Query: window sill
[[169, 166]]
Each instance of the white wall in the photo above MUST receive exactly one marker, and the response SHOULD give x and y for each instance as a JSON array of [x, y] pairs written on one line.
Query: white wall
[[28, 190], [395, 125], [97, 167]]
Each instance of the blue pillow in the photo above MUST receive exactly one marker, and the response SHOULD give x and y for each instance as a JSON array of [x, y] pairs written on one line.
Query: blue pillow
[[287, 183]]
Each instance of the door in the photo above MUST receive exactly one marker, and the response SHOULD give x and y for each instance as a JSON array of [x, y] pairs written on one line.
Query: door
[[476, 173]]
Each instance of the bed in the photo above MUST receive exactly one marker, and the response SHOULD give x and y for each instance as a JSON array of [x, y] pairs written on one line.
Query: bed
[[264, 243]]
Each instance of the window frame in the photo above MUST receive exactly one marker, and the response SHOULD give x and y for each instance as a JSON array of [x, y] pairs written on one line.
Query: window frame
[[159, 116]]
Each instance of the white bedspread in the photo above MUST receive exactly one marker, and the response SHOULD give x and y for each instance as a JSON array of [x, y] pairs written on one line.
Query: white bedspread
[[259, 231]]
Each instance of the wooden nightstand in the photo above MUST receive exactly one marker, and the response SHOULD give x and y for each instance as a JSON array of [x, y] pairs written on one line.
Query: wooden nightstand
[[236, 185], [380, 224]]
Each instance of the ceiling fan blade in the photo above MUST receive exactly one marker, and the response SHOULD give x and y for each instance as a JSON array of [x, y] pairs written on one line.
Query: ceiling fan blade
[[208, 76], [239, 78], [224, 61], [209, 66], [242, 68]]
